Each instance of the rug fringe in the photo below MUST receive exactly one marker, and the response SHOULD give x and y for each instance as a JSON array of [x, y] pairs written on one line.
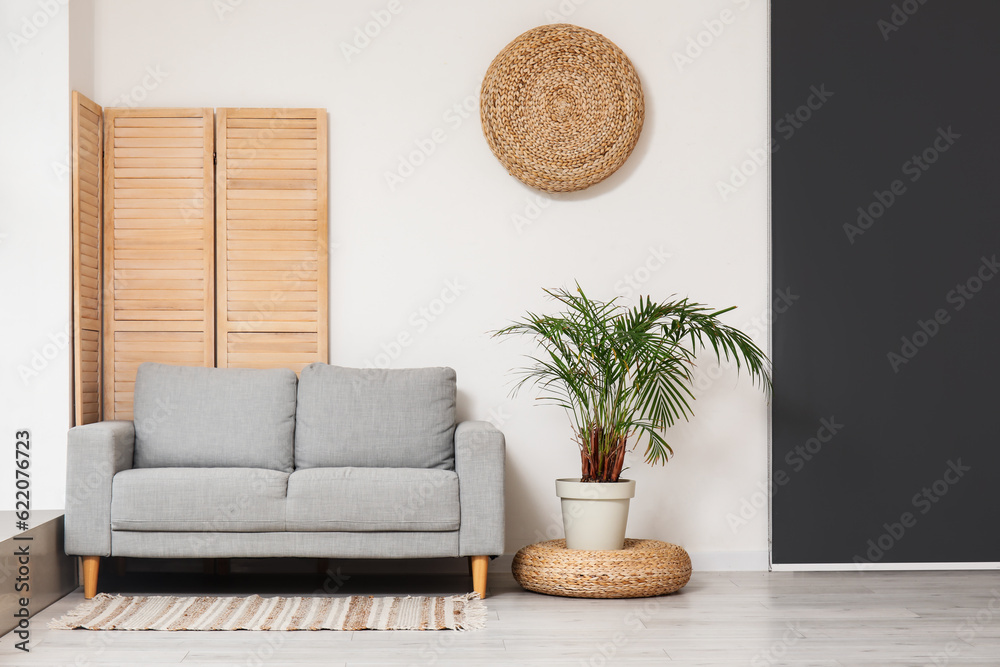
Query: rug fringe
[[71, 620], [475, 612]]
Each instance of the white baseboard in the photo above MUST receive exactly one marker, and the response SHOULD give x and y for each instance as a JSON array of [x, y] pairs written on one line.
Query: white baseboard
[[502, 563], [729, 561], [883, 567]]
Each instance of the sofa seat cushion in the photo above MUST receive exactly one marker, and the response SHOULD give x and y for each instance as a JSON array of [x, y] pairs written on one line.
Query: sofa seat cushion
[[199, 500], [372, 499], [214, 417], [375, 418]]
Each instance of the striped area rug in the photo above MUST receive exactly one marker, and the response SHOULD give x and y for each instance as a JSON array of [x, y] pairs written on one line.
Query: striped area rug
[[120, 612]]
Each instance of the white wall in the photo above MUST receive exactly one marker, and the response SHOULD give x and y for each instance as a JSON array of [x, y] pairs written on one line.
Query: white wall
[[452, 220], [81, 46], [35, 385]]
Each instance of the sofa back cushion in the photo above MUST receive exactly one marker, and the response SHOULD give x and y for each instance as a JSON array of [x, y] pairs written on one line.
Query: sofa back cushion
[[214, 417], [375, 418]]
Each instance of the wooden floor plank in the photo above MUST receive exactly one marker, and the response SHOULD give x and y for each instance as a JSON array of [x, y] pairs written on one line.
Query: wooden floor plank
[[719, 619]]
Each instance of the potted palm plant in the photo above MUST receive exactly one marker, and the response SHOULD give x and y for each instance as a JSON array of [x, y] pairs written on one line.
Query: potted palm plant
[[624, 376]]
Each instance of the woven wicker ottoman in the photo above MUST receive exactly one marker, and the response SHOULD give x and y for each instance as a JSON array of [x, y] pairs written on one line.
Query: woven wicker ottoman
[[644, 568]]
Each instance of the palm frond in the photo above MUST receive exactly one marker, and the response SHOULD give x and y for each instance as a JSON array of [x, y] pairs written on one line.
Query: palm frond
[[626, 373]]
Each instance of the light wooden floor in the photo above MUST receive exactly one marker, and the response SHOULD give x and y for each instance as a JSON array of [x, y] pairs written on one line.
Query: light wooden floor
[[737, 618]]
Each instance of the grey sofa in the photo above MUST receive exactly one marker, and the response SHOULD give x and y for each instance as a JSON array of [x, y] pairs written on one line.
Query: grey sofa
[[244, 463]]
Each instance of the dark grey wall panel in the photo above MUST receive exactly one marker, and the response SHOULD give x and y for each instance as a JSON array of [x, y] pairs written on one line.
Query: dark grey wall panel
[[886, 222]]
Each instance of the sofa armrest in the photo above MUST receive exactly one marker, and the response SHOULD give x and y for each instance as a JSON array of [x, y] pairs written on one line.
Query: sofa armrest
[[96, 452], [479, 462]]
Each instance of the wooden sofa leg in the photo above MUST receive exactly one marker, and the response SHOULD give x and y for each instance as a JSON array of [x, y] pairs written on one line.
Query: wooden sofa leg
[[91, 564], [480, 565]]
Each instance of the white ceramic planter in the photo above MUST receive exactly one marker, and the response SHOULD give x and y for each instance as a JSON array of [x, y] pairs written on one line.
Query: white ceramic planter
[[595, 513]]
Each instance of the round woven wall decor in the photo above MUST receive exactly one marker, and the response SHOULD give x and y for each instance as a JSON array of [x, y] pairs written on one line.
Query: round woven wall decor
[[561, 108]]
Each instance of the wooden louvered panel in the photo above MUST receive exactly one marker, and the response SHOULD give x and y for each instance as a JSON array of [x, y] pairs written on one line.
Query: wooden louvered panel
[[88, 147], [88, 402], [159, 245], [267, 350], [272, 253], [131, 348]]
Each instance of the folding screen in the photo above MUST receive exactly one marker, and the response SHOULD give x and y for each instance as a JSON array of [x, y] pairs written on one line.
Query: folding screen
[[87, 198], [172, 279]]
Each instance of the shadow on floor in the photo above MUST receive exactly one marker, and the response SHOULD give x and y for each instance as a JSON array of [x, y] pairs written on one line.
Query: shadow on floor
[[247, 578]]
